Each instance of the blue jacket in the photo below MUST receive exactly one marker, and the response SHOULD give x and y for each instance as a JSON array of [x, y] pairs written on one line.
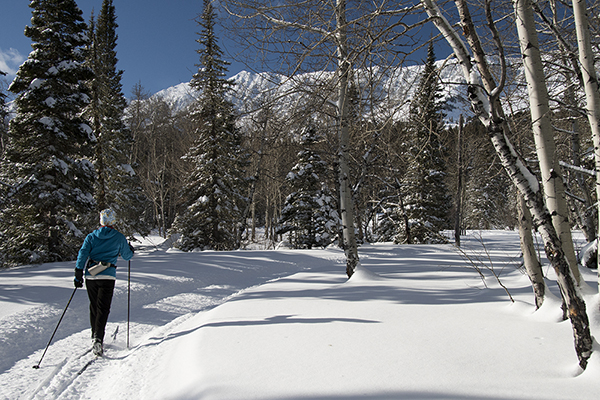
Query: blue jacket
[[104, 244]]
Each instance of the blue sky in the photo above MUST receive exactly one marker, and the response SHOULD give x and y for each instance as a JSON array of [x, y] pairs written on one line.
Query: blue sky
[[156, 46]]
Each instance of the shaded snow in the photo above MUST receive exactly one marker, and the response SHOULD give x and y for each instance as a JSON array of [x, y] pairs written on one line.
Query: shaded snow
[[415, 322]]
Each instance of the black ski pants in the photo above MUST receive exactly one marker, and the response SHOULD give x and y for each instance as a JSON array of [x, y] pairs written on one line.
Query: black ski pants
[[100, 293]]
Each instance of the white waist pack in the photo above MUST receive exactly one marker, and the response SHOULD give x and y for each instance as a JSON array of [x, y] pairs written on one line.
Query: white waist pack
[[95, 267]]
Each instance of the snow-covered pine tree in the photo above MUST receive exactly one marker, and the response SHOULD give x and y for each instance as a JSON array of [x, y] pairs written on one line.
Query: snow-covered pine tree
[[309, 213], [46, 165], [215, 185], [388, 214], [392, 219], [3, 115], [3, 138], [425, 196], [117, 186], [487, 203]]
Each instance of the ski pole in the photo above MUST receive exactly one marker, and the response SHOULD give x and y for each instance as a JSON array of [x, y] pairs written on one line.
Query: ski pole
[[128, 297], [55, 329]]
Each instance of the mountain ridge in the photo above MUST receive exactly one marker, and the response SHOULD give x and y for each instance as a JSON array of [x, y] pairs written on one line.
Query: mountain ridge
[[391, 90]]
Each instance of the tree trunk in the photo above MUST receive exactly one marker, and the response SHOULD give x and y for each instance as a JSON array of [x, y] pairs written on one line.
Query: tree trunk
[[268, 219], [405, 219], [530, 259], [459, 186], [590, 79], [253, 212], [543, 131], [585, 210], [487, 107], [346, 201], [572, 73], [542, 219]]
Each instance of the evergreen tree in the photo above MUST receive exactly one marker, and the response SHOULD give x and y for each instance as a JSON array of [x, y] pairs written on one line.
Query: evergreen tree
[[3, 138], [214, 187], [117, 185], [309, 213], [392, 219], [48, 200], [489, 202], [3, 116], [425, 197]]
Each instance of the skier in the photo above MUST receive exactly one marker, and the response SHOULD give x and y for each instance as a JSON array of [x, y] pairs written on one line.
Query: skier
[[98, 257]]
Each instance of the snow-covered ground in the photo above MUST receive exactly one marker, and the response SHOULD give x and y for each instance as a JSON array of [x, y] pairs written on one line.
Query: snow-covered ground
[[417, 322]]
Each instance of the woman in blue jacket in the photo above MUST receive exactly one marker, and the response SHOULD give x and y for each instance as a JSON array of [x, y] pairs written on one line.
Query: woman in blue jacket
[[98, 257]]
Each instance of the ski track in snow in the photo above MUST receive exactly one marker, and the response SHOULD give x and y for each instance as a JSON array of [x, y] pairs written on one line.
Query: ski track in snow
[[164, 293]]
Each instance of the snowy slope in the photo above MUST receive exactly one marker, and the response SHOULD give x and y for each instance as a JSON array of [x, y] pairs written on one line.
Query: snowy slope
[[416, 322]]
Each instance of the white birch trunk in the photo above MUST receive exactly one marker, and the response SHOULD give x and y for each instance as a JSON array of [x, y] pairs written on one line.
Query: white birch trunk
[[530, 260], [487, 107], [590, 80], [346, 201], [543, 132]]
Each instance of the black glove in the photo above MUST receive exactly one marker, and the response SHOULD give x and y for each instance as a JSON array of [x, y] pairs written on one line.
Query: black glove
[[131, 248], [78, 278]]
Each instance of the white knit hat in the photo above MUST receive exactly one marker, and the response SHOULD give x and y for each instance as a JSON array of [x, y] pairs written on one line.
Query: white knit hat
[[107, 217]]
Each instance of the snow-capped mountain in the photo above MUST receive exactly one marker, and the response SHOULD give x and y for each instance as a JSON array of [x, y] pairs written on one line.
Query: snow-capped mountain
[[386, 92]]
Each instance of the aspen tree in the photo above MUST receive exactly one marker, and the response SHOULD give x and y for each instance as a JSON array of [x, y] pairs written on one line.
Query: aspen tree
[[483, 93], [590, 80]]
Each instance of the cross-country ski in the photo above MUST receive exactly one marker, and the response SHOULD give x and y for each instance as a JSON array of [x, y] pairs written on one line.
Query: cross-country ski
[[82, 370]]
